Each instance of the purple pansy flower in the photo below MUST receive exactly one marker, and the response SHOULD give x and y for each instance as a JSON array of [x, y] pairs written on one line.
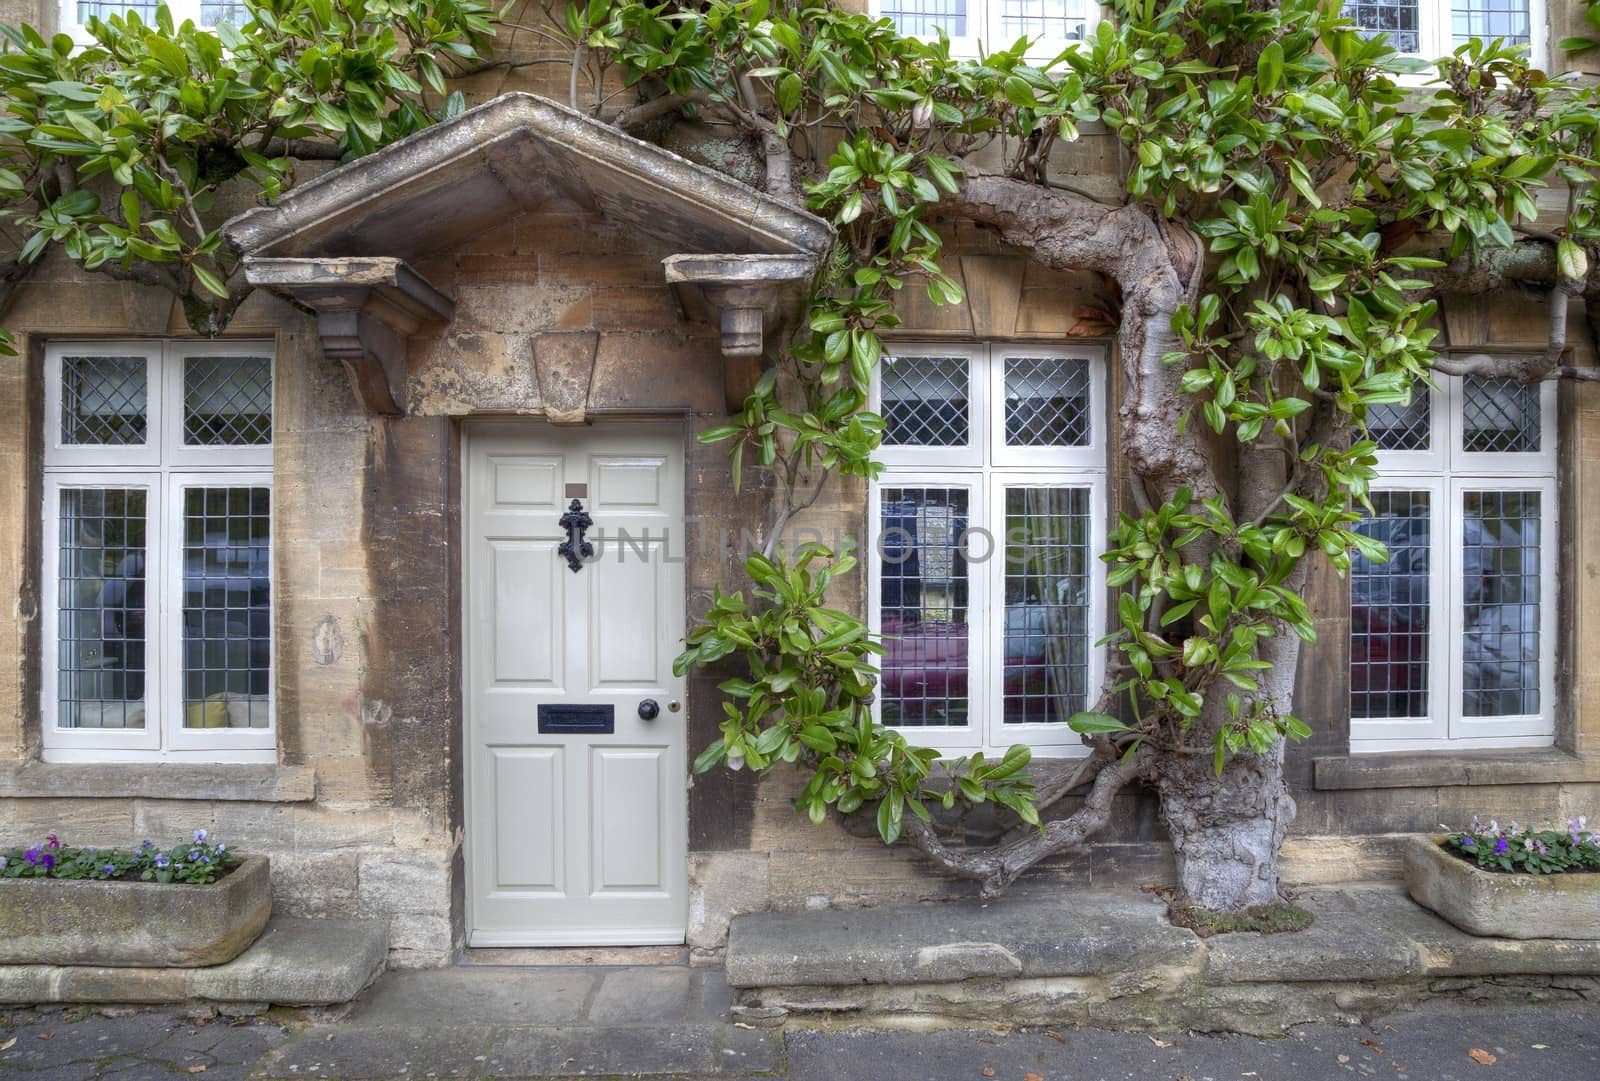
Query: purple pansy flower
[[1501, 846], [108, 870], [51, 842], [162, 862], [31, 856], [49, 860], [199, 837]]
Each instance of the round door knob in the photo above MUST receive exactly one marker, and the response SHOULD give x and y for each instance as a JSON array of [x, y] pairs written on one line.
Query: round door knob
[[649, 710]]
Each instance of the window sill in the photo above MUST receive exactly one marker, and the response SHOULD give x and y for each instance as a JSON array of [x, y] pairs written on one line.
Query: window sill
[[1428, 769], [134, 780]]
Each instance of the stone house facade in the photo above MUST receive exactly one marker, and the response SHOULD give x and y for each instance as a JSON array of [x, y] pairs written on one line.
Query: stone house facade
[[302, 587]]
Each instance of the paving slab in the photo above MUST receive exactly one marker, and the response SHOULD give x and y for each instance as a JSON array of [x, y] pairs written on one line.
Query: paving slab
[[635, 1051], [1346, 941], [1091, 933], [653, 996], [479, 996]]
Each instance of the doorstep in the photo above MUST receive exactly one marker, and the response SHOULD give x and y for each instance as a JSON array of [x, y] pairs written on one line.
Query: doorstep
[[1110, 958], [295, 962]]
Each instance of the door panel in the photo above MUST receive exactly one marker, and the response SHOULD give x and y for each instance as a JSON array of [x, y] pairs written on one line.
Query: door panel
[[528, 791], [574, 836], [525, 575], [628, 801]]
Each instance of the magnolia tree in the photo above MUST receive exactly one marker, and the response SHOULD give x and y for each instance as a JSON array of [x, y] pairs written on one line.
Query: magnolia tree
[[1289, 214], [115, 153]]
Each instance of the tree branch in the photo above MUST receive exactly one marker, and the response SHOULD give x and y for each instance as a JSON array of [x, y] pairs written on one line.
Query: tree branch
[[637, 116], [996, 868]]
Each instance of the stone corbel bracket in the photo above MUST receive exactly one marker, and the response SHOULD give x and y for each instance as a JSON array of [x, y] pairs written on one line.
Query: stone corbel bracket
[[367, 308], [751, 298]]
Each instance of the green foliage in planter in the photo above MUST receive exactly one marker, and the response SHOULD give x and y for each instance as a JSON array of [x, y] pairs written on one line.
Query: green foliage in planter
[[1524, 850], [806, 698], [198, 862]]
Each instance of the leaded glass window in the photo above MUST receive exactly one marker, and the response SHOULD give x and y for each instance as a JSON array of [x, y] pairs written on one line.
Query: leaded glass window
[[101, 598], [158, 551], [1452, 636], [925, 400], [987, 523]]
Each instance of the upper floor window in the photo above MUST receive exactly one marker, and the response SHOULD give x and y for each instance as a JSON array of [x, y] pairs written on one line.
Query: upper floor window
[[75, 14], [994, 24], [1452, 640], [987, 527], [157, 551], [1434, 28]]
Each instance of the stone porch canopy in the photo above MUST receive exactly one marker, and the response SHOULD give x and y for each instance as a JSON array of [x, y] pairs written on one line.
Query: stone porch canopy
[[342, 244]]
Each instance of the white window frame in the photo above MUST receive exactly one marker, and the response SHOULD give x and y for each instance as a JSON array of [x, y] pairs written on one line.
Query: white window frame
[[181, 10], [1447, 473], [163, 466], [986, 469], [985, 22], [1436, 34]]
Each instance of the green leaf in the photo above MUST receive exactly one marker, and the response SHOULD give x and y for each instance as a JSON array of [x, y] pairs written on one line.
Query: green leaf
[[209, 280], [1269, 68], [1088, 724]]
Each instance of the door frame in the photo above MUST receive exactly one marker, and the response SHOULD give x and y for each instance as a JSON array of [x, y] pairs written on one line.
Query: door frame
[[471, 429]]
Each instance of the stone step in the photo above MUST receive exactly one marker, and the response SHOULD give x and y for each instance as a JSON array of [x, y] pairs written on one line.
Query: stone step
[[1111, 959], [295, 962], [1081, 933]]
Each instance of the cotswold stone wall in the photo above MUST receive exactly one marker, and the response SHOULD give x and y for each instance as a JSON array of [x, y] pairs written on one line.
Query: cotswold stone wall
[[362, 814]]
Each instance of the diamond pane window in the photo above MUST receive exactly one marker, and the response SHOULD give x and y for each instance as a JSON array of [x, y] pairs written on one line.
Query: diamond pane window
[[1390, 612], [227, 401], [1490, 19], [1501, 598], [1400, 19], [925, 401], [1499, 415], [104, 401], [923, 586], [1402, 427], [1052, 19], [1047, 584], [100, 628], [1047, 402], [227, 610], [925, 18]]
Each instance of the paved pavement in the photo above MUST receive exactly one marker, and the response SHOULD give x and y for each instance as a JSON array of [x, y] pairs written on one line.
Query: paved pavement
[[673, 1022]]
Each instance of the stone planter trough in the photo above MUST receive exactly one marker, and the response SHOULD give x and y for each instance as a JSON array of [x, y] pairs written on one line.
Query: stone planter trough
[[1501, 905], [46, 921]]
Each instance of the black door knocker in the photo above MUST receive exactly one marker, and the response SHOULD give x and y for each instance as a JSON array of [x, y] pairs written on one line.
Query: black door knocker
[[575, 548]]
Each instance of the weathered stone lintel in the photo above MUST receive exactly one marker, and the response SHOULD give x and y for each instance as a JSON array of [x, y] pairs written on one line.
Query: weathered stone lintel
[[1429, 769], [366, 309], [164, 781], [751, 298]]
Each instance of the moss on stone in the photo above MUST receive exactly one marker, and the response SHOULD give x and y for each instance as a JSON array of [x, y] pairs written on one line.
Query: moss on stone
[[1265, 919]]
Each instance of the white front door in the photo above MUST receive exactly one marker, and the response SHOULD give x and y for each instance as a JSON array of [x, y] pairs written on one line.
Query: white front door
[[576, 795]]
